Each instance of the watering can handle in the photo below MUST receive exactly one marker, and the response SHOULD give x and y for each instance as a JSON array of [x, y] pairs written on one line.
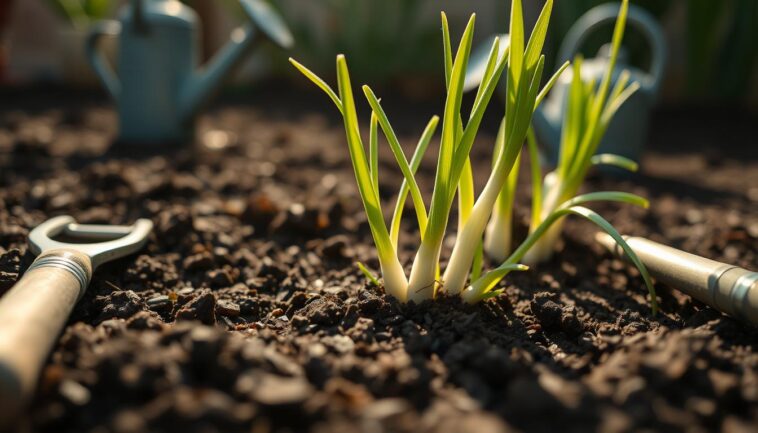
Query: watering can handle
[[97, 59], [600, 15]]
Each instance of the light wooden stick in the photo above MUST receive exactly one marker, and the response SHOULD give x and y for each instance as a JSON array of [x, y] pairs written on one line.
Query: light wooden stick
[[32, 315]]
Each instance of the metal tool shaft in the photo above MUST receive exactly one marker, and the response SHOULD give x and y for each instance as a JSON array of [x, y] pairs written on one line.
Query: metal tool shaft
[[727, 288]]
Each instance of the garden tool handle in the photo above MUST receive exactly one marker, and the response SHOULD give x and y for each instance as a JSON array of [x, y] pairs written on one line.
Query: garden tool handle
[[32, 315], [727, 288], [97, 59], [638, 17]]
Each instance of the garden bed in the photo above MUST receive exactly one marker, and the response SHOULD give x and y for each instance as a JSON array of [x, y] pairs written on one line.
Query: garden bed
[[246, 309]]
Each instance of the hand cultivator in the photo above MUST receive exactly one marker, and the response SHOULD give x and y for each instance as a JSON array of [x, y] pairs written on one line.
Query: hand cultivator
[[34, 311]]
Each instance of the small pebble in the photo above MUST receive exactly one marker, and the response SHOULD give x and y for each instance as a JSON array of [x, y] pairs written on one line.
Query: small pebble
[[335, 246], [694, 216], [198, 262], [74, 392], [159, 303], [227, 308], [219, 278], [185, 291], [330, 181], [217, 139], [201, 308], [752, 230], [731, 253], [273, 390]]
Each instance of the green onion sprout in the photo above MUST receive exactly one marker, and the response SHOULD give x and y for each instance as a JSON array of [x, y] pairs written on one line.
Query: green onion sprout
[[522, 62], [589, 111]]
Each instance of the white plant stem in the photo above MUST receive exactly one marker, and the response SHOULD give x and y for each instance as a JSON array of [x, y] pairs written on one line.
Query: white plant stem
[[543, 249], [471, 294], [423, 280], [498, 237], [395, 281], [462, 257]]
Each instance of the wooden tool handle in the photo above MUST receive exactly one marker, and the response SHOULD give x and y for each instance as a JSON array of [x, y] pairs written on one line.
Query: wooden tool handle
[[32, 315]]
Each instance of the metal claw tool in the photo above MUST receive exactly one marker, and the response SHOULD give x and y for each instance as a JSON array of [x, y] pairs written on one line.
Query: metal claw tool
[[35, 310]]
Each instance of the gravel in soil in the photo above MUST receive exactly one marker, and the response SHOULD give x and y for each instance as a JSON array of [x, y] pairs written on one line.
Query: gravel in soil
[[245, 312]]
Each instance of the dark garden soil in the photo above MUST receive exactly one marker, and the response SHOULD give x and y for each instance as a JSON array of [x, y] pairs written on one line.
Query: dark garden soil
[[246, 313]]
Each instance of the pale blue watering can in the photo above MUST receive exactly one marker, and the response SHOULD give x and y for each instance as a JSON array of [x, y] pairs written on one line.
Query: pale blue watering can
[[627, 132], [160, 84]]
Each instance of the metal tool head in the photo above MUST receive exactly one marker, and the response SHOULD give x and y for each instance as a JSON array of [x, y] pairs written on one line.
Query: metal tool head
[[106, 242]]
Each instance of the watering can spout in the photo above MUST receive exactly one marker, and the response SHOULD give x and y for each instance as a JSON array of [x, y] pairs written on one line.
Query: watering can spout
[[138, 11], [202, 83]]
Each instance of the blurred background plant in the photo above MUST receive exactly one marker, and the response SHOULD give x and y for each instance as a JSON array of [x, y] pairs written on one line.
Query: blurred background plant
[[722, 48], [713, 43], [719, 58], [398, 32], [82, 13]]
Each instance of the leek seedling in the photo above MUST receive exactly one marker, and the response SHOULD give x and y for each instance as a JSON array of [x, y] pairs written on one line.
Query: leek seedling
[[482, 287], [589, 110], [524, 74], [525, 65], [453, 175]]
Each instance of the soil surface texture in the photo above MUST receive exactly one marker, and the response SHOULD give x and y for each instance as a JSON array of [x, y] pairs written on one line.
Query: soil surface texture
[[246, 312]]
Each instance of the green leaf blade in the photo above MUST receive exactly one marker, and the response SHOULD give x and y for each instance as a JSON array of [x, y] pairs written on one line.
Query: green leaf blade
[[599, 221], [444, 183], [397, 151], [360, 162], [318, 82], [615, 161], [537, 39], [484, 284], [418, 155], [374, 152]]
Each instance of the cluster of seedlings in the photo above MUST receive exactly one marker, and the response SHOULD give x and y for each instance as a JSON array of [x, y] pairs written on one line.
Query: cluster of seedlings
[[590, 108]]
